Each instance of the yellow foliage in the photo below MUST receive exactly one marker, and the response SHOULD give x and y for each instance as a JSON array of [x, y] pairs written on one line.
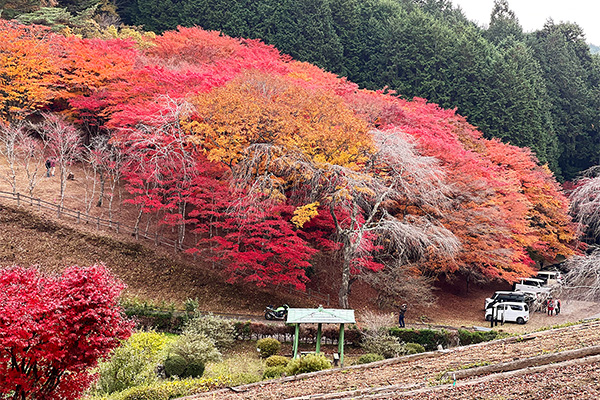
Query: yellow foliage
[[305, 213], [257, 108]]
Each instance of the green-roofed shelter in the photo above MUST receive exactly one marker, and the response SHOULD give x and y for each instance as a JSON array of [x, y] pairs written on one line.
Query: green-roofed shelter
[[320, 316]]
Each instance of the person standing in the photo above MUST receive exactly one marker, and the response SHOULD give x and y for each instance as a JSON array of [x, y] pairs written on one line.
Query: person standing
[[401, 315], [557, 307], [48, 167], [550, 306]]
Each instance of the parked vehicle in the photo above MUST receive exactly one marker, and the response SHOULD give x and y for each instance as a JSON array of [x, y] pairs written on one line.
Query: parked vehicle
[[509, 311], [530, 285], [550, 277], [503, 296], [276, 313]]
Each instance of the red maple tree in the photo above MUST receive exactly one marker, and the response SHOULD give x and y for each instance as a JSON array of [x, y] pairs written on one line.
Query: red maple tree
[[53, 330]]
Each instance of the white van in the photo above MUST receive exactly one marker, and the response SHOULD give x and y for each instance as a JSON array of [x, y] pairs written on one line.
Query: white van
[[531, 285], [550, 277], [518, 297], [509, 311]]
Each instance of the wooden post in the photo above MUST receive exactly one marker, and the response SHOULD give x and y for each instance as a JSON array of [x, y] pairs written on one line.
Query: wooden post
[[319, 331], [39, 204], [341, 345], [78, 216], [98, 222], [18, 199], [117, 227], [296, 340]]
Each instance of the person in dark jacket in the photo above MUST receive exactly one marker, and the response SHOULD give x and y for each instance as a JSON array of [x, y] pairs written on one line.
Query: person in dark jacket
[[401, 315]]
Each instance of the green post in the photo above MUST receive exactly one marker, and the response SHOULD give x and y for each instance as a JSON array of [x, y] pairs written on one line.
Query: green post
[[296, 340], [341, 345], [319, 338]]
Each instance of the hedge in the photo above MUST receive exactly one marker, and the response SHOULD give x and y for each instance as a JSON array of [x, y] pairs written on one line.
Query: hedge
[[430, 339]]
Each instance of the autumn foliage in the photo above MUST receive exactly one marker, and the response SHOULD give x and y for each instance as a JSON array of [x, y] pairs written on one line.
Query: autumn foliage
[[53, 330], [269, 161]]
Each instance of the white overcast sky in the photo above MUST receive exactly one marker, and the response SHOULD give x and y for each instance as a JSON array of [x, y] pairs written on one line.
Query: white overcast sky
[[532, 14]]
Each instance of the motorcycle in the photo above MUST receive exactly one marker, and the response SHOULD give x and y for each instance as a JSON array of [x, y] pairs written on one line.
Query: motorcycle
[[278, 313]]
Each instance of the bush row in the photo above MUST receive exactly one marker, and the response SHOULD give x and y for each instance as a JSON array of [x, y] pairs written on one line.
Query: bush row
[[171, 389], [430, 339]]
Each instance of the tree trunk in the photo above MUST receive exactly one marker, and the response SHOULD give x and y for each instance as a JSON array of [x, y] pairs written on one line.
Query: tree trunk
[[345, 286], [347, 252], [102, 185]]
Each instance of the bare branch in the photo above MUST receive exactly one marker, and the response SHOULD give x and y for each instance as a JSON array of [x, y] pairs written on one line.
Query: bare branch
[[582, 280]]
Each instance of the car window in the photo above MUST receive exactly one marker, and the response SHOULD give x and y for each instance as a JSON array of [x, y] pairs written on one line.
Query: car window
[[516, 308]]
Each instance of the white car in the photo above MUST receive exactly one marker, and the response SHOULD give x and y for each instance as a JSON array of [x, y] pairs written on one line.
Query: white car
[[517, 297], [550, 277], [531, 285], [509, 311]]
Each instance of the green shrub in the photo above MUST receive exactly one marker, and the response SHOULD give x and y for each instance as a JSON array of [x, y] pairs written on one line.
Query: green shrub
[[369, 358], [386, 345], [148, 315], [172, 389], [275, 361], [175, 365], [195, 349], [133, 363], [274, 372], [240, 368], [219, 330], [308, 363], [194, 370], [468, 337], [413, 348], [268, 347], [428, 338]]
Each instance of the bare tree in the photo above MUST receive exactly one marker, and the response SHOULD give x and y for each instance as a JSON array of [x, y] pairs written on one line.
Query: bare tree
[[31, 157], [64, 145], [365, 205], [397, 284], [159, 152], [582, 279], [22, 152], [108, 160], [585, 201], [9, 140]]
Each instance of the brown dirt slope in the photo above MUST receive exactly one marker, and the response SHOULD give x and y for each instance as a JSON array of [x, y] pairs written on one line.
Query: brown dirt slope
[[149, 272]]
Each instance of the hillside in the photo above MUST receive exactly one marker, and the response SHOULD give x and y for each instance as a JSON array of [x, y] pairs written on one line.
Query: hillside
[[151, 274], [160, 275], [565, 364], [274, 172]]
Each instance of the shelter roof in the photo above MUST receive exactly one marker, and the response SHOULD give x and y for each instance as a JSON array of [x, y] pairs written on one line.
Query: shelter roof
[[320, 316]]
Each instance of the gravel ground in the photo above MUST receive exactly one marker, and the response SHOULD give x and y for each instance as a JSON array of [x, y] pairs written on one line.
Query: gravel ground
[[581, 381]]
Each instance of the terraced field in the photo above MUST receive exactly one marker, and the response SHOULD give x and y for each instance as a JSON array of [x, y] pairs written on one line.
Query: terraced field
[[561, 363]]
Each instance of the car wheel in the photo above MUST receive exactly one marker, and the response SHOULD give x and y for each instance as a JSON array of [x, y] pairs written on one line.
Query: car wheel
[[488, 317], [520, 321]]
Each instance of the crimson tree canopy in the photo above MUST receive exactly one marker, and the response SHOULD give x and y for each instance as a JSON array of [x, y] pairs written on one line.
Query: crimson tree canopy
[[53, 329]]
